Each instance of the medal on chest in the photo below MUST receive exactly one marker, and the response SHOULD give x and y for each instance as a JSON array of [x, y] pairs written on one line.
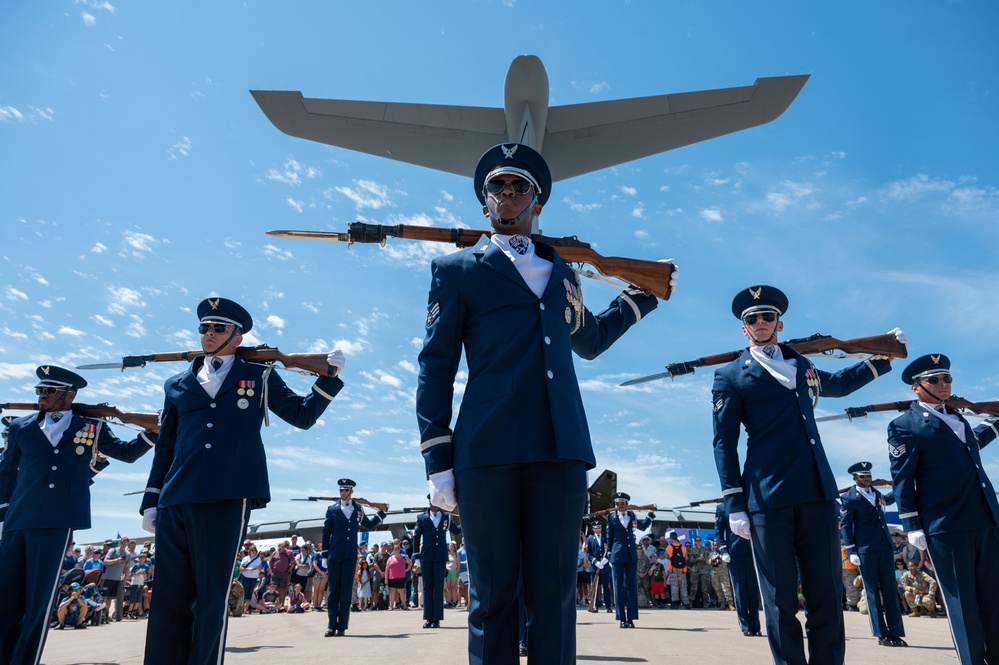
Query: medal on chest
[[246, 388], [86, 435], [574, 296]]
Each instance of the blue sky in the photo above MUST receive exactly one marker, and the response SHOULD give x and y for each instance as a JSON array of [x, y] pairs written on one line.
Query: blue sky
[[139, 177]]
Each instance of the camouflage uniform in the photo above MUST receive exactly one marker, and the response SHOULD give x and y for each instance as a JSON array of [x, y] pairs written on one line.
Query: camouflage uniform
[[700, 573], [850, 573], [721, 581], [644, 585], [920, 590]]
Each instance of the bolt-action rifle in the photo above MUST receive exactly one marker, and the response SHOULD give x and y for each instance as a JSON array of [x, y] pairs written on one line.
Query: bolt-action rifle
[[880, 482], [990, 408], [817, 344], [312, 363], [147, 421], [651, 276]]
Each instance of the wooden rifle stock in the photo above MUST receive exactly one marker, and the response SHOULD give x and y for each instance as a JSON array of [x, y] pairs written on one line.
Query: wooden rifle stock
[[880, 482], [990, 408], [598, 513], [310, 362], [651, 276], [147, 421], [885, 345]]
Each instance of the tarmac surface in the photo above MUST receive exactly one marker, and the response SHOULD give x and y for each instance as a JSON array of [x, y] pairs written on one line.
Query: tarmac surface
[[710, 635]]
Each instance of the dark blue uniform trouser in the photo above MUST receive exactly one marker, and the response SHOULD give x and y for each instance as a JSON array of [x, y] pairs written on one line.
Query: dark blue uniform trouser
[[196, 545], [30, 560], [514, 511], [967, 568], [340, 581], [805, 535], [625, 590], [432, 573], [878, 572], [745, 588], [602, 576]]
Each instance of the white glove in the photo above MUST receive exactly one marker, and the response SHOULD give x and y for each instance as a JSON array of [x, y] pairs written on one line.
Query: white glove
[[336, 360], [149, 520], [855, 560], [674, 276], [603, 562], [600, 565], [917, 539], [739, 524], [727, 558], [899, 335], [442, 490]]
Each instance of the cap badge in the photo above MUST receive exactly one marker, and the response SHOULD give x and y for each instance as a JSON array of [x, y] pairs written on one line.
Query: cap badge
[[935, 359], [508, 152], [214, 304], [45, 370], [756, 293]]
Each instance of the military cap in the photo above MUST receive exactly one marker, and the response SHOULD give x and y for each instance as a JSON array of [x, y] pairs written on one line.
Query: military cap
[[760, 298], [621, 496], [56, 377], [7, 420], [927, 365], [346, 484], [515, 159], [860, 469], [221, 310], [596, 524]]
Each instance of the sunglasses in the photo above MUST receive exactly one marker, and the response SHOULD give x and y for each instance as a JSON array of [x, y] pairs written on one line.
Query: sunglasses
[[934, 380], [48, 390], [519, 186], [751, 319], [214, 327]]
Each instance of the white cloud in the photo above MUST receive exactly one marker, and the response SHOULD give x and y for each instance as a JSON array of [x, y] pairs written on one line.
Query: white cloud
[[629, 191], [292, 173], [711, 215], [8, 113], [103, 321], [274, 252], [368, 194], [124, 298], [141, 242], [136, 328], [89, 19], [598, 88], [71, 332], [16, 370], [638, 212], [181, 148], [581, 208], [14, 294], [98, 248], [297, 205], [912, 189], [407, 366]]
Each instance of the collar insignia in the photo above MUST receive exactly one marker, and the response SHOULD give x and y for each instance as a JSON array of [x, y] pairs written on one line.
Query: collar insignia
[[756, 293]]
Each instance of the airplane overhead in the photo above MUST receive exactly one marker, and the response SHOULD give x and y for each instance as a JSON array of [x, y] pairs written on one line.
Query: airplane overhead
[[574, 139]]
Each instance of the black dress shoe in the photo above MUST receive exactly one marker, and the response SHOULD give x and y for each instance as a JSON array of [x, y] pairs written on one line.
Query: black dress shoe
[[757, 633], [747, 633], [609, 610], [624, 624], [330, 633], [899, 642], [437, 624], [522, 651], [428, 624], [339, 633], [631, 624]]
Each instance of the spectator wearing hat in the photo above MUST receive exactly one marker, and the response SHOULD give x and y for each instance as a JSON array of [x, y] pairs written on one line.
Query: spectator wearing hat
[[868, 544], [208, 473], [516, 308], [72, 609], [784, 497], [339, 546], [44, 495], [621, 526], [947, 504], [430, 549], [600, 572], [643, 567]]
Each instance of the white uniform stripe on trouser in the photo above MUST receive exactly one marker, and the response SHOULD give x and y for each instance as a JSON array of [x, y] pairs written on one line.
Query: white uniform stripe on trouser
[[52, 593], [225, 615]]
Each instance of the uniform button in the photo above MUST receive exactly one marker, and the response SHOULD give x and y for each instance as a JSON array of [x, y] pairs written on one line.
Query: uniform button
[[548, 340], [55, 468], [51, 485], [983, 485], [209, 425], [542, 307], [208, 445], [213, 405], [550, 375], [55, 450], [811, 441]]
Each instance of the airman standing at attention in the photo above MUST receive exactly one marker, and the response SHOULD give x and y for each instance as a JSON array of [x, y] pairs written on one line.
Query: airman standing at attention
[[621, 526], [209, 471], [430, 549], [44, 495], [948, 505], [784, 497]]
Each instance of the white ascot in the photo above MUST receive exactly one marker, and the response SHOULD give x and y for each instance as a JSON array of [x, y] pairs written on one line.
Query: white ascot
[[868, 494], [436, 518], [210, 377], [54, 425], [953, 421], [520, 249], [772, 359], [347, 508]]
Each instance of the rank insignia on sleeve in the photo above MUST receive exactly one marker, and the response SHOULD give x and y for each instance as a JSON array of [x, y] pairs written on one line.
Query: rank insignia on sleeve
[[896, 451], [717, 406], [433, 313]]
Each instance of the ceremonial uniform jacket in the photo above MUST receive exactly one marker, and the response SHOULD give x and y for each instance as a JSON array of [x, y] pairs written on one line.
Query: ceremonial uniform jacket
[[44, 486], [210, 449], [429, 541], [939, 481], [340, 533], [595, 551], [785, 462], [864, 526], [621, 539], [521, 401]]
